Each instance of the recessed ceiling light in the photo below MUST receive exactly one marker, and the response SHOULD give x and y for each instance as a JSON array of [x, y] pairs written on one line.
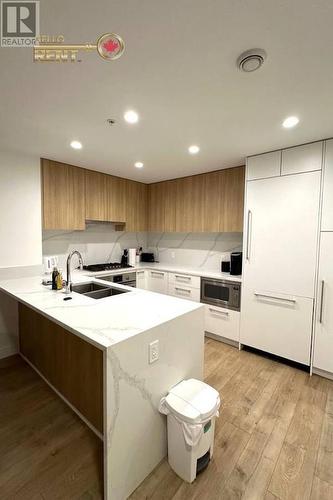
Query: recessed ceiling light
[[193, 150], [291, 121], [131, 116], [76, 145], [138, 164]]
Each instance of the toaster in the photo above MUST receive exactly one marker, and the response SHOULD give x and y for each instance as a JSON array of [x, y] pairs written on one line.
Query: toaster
[[147, 257]]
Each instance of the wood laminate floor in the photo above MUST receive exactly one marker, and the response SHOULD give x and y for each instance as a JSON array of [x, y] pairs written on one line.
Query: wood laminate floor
[[274, 437]]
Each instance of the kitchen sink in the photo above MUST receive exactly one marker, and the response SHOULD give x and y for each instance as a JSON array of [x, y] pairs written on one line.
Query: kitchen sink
[[96, 290]]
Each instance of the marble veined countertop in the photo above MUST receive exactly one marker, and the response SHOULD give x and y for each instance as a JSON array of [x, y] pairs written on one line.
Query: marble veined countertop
[[103, 322], [170, 268]]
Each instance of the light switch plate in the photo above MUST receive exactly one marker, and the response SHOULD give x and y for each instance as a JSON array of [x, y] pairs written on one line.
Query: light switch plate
[[153, 351]]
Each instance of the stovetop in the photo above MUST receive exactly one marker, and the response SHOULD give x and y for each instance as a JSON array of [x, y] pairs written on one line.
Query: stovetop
[[111, 266]]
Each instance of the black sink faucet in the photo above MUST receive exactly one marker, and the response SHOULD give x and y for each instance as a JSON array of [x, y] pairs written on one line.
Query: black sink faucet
[[69, 261]]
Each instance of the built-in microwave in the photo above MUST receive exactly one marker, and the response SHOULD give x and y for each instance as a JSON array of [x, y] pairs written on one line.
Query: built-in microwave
[[223, 293]]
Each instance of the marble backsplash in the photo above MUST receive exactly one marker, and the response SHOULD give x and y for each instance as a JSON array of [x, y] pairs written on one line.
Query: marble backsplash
[[98, 243], [205, 250], [101, 243]]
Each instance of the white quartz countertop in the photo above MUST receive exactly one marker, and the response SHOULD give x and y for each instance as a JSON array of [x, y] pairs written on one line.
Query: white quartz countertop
[[170, 268], [103, 322]]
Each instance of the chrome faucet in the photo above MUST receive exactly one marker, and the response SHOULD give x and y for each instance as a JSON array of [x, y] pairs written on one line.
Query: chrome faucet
[[68, 288]]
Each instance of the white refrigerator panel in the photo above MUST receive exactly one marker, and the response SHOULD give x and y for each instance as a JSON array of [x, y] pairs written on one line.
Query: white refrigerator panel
[[280, 236]]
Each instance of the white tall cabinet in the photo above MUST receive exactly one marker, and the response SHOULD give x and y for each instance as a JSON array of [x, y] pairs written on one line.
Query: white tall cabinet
[[280, 252], [323, 348]]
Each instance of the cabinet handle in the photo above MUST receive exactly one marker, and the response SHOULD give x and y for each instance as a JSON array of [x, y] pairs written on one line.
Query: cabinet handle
[[157, 273], [267, 296], [321, 301], [225, 313], [186, 278], [249, 224], [183, 290]]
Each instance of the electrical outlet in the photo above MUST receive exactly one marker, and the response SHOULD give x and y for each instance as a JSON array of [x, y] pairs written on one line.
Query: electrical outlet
[[153, 351]]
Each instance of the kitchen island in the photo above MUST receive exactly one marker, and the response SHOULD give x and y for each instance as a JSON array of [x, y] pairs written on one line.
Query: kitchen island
[[96, 355]]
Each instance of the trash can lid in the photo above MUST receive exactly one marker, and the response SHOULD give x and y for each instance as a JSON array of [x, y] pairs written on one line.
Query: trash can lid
[[193, 401]]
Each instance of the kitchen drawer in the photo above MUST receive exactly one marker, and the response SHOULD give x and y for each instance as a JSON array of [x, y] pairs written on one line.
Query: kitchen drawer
[[222, 322], [277, 323], [157, 281], [184, 292], [184, 279]]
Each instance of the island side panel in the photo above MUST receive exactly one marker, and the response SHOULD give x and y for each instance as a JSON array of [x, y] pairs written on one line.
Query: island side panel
[[73, 367], [135, 431]]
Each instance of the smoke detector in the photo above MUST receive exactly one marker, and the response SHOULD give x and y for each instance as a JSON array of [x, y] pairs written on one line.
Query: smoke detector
[[251, 60]]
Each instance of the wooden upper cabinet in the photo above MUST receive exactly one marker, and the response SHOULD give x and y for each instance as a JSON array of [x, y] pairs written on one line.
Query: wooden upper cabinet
[[136, 206], [116, 199], [63, 196], [232, 200], [156, 203], [189, 204], [105, 197], [212, 204], [96, 196]]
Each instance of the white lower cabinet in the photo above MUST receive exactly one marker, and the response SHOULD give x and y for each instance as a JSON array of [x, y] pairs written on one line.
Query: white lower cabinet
[[184, 292], [222, 322], [141, 280], [157, 281], [323, 349], [277, 323]]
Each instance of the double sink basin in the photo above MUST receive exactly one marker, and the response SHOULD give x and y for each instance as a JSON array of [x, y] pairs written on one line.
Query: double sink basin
[[96, 290]]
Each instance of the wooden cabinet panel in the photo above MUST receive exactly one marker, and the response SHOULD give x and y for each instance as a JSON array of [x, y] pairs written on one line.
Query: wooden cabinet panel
[[156, 203], [232, 200], [116, 199], [213, 202], [136, 206], [170, 206], [63, 193], [96, 196], [189, 204], [207, 202], [74, 367]]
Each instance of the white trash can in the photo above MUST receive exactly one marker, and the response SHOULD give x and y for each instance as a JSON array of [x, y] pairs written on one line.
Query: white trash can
[[191, 408]]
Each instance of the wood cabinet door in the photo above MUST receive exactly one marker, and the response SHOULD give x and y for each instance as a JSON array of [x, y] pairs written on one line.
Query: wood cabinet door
[[63, 194], [156, 203], [136, 206], [96, 196], [189, 204], [116, 199], [213, 202], [232, 186]]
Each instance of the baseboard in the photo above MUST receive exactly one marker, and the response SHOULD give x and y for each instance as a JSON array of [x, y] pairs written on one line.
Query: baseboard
[[7, 351], [219, 338], [322, 373]]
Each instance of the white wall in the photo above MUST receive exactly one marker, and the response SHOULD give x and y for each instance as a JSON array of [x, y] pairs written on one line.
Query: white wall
[[20, 211], [20, 234]]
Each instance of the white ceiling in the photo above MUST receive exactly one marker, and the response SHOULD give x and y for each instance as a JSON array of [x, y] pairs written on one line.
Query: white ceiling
[[179, 73]]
